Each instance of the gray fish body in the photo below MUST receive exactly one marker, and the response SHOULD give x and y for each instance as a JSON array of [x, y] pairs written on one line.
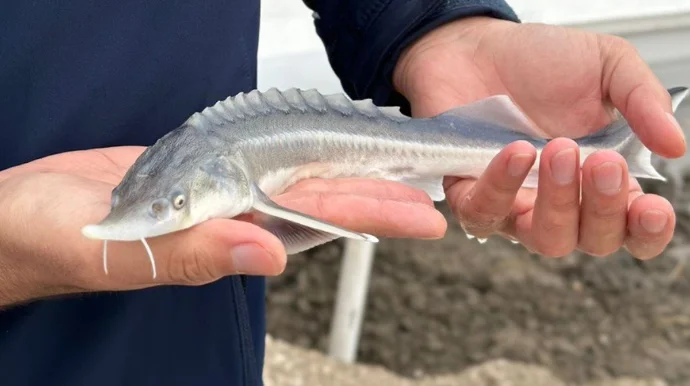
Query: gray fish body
[[231, 157], [283, 137]]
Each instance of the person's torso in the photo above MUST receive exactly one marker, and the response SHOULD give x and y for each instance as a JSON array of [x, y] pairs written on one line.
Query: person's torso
[[85, 74]]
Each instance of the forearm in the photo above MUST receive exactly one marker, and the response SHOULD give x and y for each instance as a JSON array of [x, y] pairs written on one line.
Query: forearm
[[25, 277], [22, 282], [17, 285], [365, 38], [12, 291]]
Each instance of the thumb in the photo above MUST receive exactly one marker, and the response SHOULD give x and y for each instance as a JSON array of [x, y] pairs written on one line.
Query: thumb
[[195, 256], [637, 93]]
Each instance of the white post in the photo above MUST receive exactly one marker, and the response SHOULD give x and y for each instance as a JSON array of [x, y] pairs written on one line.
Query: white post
[[350, 301]]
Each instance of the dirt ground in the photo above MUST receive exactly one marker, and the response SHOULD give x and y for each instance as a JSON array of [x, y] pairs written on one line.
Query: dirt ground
[[440, 307], [290, 365]]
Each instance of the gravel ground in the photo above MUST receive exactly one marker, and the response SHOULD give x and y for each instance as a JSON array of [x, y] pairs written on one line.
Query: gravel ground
[[437, 308], [288, 365]]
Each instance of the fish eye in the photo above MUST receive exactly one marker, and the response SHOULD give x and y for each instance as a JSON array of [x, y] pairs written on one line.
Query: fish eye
[[179, 201]]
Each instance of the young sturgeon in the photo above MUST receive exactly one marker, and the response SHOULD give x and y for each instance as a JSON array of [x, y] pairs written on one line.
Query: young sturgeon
[[231, 157]]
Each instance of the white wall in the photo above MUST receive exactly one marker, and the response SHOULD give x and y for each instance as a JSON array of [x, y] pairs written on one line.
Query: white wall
[[291, 54], [587, 11], [295, 58]]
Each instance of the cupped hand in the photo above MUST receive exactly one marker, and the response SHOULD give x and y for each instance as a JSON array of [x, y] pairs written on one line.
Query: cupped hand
[[569, 82], [45, 204]]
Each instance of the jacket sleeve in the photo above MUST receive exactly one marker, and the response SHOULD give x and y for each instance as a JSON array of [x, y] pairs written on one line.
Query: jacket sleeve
[[365, 38]]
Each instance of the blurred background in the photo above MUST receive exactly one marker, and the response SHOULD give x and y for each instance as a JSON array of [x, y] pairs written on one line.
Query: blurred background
[[453, 311]]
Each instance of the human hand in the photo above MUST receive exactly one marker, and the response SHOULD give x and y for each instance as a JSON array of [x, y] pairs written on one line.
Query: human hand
[[568, 82], [45, 204]]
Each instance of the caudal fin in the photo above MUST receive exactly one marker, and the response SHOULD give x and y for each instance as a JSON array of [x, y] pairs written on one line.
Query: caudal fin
[[639, 160], [638, 157], [620, 136], [677, 96]]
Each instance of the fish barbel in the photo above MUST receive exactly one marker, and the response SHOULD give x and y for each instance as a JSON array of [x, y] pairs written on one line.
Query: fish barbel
[[233, 156]]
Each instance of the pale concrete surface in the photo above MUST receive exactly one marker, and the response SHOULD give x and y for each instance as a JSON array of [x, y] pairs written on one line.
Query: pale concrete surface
[[288, 365]]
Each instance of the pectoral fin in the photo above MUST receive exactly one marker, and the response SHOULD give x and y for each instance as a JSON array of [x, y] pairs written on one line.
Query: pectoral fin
[[295, 237], [298, 231]]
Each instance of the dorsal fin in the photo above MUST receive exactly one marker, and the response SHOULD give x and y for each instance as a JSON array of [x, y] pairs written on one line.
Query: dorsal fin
[[256, 101], [341, 103], [277, 100], [241, 102], [315, 100], [293, 100], [498, 110]]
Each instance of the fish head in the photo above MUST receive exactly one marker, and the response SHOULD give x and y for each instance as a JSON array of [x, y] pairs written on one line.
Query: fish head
[[173, 194]]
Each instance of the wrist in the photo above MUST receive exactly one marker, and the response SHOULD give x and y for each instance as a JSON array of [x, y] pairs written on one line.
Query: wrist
[[23, 283], [13, 289], [464, 34], [27, 271]]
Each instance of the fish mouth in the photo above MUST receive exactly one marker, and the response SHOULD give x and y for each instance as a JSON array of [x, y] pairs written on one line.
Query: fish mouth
[[127, 231]]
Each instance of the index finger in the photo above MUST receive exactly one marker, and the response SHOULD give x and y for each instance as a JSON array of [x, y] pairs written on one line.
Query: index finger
[[382, 208], [483, 206]]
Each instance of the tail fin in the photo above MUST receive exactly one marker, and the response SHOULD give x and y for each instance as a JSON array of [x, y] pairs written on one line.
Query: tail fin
[[677, 96], [624, 140], [639, 160]]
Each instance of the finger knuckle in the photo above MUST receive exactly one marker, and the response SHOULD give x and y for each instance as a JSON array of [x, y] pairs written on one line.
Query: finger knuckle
[[479, 216], [554, 240], [493, 200], [500, 189], [560, 204], [618, 43], [553, 224], [191, 267], [608, 213], [479, 224]]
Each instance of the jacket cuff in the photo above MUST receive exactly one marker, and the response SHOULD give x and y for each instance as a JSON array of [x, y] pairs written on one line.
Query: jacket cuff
[[365, 59]]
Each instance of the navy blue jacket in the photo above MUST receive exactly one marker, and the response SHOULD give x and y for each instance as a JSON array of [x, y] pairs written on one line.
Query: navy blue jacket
[[81, 74]]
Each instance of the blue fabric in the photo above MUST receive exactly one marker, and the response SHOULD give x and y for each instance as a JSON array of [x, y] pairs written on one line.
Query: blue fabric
[[81, 74], [365, 38], [84, 74]]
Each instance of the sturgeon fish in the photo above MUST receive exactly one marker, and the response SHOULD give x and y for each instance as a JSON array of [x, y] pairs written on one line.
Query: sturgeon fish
[[231, 157]]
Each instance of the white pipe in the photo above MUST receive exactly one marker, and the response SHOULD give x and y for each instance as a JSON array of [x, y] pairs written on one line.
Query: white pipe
[[350, 301]]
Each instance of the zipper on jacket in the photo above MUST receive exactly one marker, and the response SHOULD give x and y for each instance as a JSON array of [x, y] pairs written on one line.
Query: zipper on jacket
[[239, 289]]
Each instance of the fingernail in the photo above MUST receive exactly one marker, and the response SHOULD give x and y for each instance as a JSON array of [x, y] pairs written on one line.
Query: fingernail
[[608, 178], [675, 124], [518, 164], [563, 166], [653, 221], [249, 258]]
